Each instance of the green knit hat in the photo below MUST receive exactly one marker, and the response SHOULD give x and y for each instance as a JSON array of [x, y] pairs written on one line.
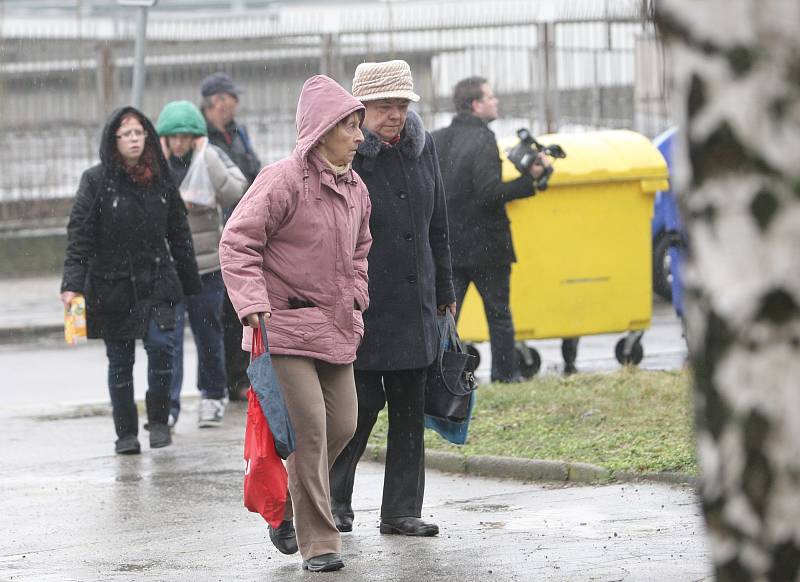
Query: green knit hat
[[181, 117]]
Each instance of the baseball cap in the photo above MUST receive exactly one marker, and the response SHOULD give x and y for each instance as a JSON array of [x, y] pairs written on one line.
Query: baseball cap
[[219, 83]]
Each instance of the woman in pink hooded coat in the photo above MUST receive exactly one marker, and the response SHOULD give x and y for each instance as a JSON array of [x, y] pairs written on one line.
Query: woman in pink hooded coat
[[295, 252]]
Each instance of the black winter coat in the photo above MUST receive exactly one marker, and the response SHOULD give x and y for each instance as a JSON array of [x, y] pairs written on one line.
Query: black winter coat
[[129, 247], [476, 195], [236, 143], [409, 262]]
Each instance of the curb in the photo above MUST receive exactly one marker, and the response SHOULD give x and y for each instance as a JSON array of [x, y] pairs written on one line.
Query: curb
[[532, 469], [10, 335], [666, 477]]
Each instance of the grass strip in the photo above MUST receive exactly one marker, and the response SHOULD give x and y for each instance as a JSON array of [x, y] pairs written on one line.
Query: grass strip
[[630, 420]]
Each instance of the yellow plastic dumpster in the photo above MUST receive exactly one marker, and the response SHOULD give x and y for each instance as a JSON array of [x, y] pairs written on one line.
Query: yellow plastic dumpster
[[584, 245]]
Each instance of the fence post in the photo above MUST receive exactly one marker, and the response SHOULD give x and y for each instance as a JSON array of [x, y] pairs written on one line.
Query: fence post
[[547, 75], [105, 79], [329, 62], [4, 108]]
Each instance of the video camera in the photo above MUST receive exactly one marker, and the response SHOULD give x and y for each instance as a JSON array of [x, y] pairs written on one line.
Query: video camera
[[524, 154]]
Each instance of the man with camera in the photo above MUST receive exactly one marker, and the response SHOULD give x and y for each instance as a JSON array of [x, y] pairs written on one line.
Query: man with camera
[[480, 236]]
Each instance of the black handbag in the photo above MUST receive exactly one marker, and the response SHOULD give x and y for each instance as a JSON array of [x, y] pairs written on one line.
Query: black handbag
[[451, 377]]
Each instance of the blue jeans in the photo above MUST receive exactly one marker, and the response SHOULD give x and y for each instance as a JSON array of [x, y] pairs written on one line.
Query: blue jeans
[[205, 319], [159, 345]]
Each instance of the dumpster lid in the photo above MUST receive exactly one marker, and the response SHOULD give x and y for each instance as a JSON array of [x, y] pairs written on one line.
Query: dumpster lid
[[601, 156]]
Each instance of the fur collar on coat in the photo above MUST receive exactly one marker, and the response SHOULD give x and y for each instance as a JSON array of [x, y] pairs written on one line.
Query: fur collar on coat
[[411, 144]]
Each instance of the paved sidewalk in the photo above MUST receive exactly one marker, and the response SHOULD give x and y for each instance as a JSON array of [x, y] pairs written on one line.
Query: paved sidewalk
[[31, 303], [72, 510]]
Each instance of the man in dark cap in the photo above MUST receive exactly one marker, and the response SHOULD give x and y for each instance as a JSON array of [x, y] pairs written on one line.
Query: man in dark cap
[[220, 101]]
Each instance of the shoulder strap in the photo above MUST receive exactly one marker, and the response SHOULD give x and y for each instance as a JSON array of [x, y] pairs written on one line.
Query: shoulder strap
[[245, 137], [263, 327]]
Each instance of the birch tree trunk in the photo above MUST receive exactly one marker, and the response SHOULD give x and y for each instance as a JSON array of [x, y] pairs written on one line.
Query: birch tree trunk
[[736, 84]]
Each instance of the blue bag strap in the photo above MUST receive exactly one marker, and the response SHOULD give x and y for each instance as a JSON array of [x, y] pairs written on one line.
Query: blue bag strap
[[263, 328], [245, 137]]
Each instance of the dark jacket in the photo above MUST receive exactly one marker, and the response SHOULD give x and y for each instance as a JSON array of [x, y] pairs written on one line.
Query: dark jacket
[[476, 195], [129, 247], [409, 263], [235, 142]]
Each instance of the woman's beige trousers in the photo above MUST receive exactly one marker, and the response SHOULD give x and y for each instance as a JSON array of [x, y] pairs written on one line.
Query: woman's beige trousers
[[322, 404]]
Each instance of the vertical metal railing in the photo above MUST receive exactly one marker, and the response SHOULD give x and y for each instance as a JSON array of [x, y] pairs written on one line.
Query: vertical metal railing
[[55, 93]]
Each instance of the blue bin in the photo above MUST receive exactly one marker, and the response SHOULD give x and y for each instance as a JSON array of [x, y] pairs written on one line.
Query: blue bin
[[667, 221]]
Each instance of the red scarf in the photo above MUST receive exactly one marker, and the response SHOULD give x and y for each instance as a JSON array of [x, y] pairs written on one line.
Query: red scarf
[[143, 170]]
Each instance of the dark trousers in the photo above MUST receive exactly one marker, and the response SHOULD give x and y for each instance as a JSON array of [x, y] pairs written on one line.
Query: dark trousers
[[159, 345], [493, 283], [569, 352], [404, 476], [236, 359], [205, 319]]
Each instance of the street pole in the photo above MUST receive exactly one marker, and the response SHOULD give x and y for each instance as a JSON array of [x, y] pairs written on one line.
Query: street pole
[[138, 58], [138, 53]]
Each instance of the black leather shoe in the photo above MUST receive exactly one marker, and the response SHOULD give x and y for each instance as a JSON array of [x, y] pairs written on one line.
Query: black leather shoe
[[344, 523], [408, 526], [127, 445], [324, 563], [284, 538]]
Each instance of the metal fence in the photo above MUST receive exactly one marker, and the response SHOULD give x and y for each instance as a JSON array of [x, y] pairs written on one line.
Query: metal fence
[[556, 66]]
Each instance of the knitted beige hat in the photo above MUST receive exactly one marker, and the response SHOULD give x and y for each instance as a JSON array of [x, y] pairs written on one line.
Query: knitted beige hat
[[388, 80]]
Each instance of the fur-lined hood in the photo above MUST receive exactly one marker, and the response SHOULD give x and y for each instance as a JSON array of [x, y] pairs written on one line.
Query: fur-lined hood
[[411, 144]]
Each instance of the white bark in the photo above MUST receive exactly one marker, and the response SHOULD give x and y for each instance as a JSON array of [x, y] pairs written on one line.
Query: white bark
[[736, 81]]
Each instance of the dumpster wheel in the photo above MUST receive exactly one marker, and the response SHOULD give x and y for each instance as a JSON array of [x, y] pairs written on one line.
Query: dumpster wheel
[[473, 351], [635, 353], [529, 360]]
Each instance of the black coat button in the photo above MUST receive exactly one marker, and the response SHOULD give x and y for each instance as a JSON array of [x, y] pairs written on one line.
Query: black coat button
[[402, 195], [409, 236], [412, 279]]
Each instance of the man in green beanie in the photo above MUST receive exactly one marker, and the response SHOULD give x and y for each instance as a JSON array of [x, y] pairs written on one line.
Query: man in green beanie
[[208, 181]]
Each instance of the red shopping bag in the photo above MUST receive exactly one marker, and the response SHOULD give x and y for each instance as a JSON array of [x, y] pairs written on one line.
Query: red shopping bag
[[265, 478]]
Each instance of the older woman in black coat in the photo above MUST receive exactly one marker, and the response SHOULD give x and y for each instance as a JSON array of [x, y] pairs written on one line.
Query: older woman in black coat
[[129, 252], [409, 281]]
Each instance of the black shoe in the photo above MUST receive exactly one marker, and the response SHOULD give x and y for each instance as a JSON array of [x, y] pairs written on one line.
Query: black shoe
[[570, 369], [284, 538], [344, 523], [512, 380], [127, 445], [323, 563], [159, 436], [408, 526]]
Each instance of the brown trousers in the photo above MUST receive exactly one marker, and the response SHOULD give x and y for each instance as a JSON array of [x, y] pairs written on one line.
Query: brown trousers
[[322, 404]]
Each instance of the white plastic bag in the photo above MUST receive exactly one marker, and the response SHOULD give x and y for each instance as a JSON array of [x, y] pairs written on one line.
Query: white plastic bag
[[196, 187]]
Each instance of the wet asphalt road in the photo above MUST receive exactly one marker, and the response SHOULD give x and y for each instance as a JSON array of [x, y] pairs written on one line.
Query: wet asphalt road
[[72, 510]]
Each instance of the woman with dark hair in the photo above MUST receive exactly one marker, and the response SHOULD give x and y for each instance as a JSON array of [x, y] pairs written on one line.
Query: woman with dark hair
[[129, 252]]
